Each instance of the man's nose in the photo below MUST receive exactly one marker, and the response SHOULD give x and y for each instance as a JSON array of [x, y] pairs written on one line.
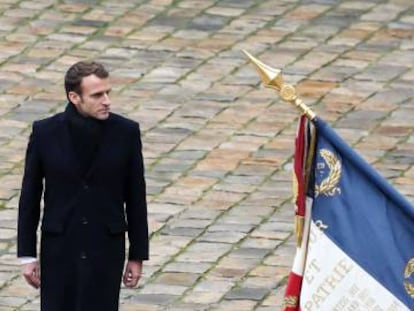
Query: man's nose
[[107, 100]]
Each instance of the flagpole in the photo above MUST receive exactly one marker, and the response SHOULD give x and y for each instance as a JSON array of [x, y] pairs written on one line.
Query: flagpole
[[272, 78]]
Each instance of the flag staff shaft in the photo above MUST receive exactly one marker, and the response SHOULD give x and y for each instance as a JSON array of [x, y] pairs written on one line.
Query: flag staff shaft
[[272, 78]]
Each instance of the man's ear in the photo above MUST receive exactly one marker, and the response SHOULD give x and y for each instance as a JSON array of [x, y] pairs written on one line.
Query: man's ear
[[74, 98]]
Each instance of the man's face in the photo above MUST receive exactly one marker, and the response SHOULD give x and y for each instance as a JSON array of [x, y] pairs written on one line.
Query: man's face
[[94, 101]]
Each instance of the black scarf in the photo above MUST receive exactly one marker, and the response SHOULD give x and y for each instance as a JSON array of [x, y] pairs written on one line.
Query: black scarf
[[85, 134]]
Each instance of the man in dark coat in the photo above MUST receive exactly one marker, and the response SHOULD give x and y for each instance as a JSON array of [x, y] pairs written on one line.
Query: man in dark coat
[[87, 163]]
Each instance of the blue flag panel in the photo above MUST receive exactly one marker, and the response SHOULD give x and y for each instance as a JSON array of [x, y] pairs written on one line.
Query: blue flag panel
[[363, 214]]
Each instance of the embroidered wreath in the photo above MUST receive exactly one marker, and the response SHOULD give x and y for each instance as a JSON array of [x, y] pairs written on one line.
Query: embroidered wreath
[[328, 186], [409, 269]]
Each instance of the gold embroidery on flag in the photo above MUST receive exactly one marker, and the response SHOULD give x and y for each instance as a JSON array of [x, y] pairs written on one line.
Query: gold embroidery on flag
[[290, 301], [409, 269], [329, 186], [321, 226]]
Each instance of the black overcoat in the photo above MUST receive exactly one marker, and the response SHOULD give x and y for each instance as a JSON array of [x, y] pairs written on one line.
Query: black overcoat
[[85, 214]]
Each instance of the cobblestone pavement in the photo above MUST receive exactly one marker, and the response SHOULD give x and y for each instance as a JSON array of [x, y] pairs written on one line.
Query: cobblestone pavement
[[218, 146]]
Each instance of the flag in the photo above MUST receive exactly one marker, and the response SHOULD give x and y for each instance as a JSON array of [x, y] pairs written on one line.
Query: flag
[[359, 251]]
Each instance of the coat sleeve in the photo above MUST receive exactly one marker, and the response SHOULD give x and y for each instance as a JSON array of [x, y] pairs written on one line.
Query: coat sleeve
[[136, 203], [29, 203]]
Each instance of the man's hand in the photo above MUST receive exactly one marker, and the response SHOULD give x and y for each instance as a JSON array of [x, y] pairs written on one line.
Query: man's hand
[[132, 274], [31, 273]]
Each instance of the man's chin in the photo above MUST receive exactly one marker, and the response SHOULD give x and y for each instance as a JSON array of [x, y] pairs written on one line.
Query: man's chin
[[103, 116]]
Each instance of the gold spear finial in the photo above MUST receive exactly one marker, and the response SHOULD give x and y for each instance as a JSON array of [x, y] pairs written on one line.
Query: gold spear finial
[[272, 78]]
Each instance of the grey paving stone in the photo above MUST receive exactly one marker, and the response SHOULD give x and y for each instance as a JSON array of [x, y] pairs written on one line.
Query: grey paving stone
[[158, 299], [187, 267], [190, 232], [247, 294], [249, 253], [219, 227], [209, 22], [228, 237], [187, 307]]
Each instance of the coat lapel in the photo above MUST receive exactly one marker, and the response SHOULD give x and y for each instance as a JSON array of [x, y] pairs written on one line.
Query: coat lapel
[[102, 145], [66, 145]]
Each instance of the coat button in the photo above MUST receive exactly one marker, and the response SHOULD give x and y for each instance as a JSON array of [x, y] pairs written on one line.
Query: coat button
[[83, 255], [84, 221], [85, 186]]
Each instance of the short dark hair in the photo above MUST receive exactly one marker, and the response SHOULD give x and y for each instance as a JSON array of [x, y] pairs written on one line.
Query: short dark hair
[[79, 70]]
